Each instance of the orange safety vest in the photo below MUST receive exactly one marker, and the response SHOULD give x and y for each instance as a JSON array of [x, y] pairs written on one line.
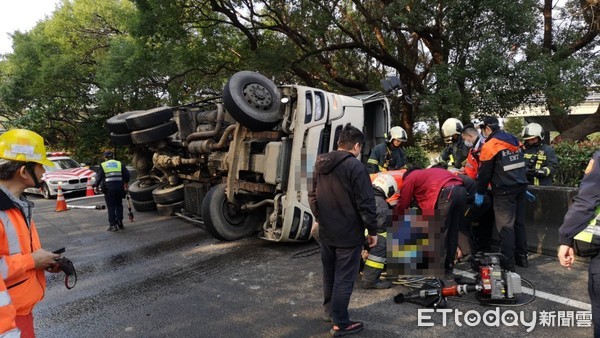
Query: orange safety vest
[[397, 175], [472, 165], [25, 284], [8, 328]]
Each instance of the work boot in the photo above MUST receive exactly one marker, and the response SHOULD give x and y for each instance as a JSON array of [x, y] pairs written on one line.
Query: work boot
[[112, 227], [120, 225], [370, 279], [521, 260]]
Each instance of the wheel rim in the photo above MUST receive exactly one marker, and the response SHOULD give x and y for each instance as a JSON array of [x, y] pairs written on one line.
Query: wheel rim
[[45, 191], [258, 96], [233, 217]]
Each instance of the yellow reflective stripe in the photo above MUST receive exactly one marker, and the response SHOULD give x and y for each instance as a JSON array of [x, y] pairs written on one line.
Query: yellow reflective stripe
[[14, 246], [376, 258], [375, 264], [587, 234], [372, 161], [383, 234], [536, 181], [451, 159]]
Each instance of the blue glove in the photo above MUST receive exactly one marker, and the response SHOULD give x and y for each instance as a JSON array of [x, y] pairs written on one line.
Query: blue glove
[[478, 199], [530, 197]]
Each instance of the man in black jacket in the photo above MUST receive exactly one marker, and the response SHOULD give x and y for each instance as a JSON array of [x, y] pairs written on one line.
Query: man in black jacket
[[342, 190]]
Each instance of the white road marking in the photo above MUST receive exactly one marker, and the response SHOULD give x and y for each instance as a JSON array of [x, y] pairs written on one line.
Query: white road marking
[[541, 294]]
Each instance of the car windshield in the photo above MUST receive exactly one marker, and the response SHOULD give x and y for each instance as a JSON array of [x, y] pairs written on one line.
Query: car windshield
[[65, 163]]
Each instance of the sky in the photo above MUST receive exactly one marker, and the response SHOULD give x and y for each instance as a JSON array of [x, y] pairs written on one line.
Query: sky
[[21, 15]]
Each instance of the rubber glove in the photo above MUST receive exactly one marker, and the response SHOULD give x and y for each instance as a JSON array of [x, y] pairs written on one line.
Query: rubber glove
[[530, 197], [478, 199]]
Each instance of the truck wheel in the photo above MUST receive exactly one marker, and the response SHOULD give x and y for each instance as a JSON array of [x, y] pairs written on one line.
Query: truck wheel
[[166, 194], [117, 124], [141, 191], [154, 134], [149, 118], [143, 205], [253, 100], [223, 221], [121, 139]]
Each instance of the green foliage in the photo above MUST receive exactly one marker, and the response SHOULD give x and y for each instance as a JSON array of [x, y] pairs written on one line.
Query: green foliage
[[573, 158], [514, 125], [416, 157]]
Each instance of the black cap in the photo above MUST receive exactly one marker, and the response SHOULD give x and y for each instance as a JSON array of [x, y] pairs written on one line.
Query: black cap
[[490, 121]]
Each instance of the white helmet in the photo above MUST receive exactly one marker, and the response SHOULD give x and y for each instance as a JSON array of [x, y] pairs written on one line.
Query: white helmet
[[386, 183], [397, 133], [451, 127], [532, 130]]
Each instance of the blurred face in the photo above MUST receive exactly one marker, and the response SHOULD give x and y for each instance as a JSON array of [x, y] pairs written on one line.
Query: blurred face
[[469, 139], [396, 143], [532, 141]]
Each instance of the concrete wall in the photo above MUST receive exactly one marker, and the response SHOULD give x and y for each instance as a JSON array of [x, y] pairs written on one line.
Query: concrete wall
[[545, 216]]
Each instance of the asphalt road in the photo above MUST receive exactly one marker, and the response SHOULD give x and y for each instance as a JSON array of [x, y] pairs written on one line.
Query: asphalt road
[[163, 277]]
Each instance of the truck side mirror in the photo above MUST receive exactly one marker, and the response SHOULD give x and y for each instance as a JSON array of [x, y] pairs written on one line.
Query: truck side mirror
[[391, 83]]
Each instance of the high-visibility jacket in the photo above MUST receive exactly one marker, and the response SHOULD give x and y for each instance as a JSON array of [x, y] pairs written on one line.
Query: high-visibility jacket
[[18, 240], [8, 328], [542, 163], [472, 163], [502, 163]]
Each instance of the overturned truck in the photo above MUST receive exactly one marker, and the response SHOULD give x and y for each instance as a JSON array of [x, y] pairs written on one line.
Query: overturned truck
[[242, 164]]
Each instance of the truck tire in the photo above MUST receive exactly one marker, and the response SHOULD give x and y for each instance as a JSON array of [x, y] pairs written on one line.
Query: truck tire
[[154, 134], [143, 205], [222, 221], [141, 191], [166, 194], [149, 118], [253, 100], [121, 139], [117, 123]]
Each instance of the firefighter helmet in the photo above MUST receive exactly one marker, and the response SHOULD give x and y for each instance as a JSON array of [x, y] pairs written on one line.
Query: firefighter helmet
[[450, 128], [532, 130], [386, 183], [23, 145], [396, 133]]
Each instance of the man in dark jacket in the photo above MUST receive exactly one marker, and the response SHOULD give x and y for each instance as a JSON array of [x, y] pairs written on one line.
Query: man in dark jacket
[[580, 223], [112, 178], [343, 204], [439, 193], [503, 165], [541, 160]]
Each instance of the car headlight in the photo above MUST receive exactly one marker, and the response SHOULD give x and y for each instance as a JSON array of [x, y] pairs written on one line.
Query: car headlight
[[55, 182]]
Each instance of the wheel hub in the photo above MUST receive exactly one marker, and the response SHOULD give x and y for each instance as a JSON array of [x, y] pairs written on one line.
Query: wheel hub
[[258, 96], [232, 215]]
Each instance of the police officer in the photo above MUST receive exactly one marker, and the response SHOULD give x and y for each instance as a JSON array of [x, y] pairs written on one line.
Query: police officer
[[385, 186], [112, 178], [502, 164], [457, 151], [540, 158], [578, 229], [388, 155]]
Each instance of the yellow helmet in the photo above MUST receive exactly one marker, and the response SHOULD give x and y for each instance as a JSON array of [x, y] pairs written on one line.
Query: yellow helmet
[[23, 145]]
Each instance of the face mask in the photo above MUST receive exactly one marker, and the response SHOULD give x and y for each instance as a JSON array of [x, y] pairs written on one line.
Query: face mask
[[469, 144]]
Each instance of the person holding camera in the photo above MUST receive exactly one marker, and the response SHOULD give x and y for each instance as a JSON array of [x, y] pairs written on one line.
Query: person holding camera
[[112, 178], [22, 259]]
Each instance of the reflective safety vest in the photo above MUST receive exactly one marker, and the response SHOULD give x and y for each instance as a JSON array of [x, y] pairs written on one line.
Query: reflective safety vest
[[8, 328], [587, 242], [112, 170], [536, 161], [25, 284], [373, 261]]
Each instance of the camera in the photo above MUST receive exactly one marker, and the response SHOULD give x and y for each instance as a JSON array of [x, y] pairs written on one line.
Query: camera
[[66, 266]]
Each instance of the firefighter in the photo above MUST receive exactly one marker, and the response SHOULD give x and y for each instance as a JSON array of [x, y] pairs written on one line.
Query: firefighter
[[113, 177], [385, 186], [22, 259], [457, 151], [502, 164], [578, 228], [540, 158], [388, 155], [438, 193]]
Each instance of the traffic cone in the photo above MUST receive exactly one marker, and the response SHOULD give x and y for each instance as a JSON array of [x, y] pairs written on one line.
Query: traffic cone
[[61, 204], [89, 191]]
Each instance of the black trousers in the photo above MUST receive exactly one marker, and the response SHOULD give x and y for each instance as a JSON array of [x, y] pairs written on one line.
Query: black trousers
[[477, 238], [340, 268], [451, 205], [114, 204], [509, 208]]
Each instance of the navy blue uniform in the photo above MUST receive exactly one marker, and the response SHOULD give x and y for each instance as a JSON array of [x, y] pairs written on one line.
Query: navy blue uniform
[[456, 154], [383, 158], [112, 178], [542, 163], [576, 220]]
